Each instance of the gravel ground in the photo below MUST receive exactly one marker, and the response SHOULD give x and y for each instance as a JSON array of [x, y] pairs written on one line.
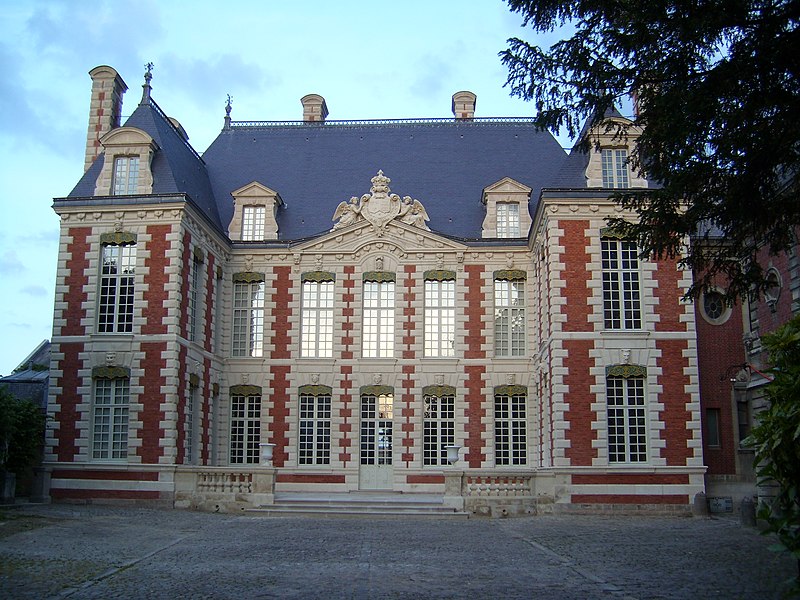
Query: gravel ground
[[66, 551]]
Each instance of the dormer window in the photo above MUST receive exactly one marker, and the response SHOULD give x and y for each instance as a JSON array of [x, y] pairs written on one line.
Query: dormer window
[[126, 175], [615, 168], [253, 219], [507, 219]]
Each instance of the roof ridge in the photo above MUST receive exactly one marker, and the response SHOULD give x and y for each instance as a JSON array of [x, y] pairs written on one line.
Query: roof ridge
[[154, 105], [361, 122]]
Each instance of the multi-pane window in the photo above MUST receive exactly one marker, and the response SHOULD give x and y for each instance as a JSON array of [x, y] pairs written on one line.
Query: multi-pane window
[[245, 429], [378, 330], [253, 220], [110, 419], [622, 302], [507, 220], [194, 286], [376, 429], [117, 273], [439, 428], [189, 426], [510, 429], [440, 318], [627, 426], [248, 318], [316, 332], [509, 317], [314, 440], [615, 168], [126, 175]]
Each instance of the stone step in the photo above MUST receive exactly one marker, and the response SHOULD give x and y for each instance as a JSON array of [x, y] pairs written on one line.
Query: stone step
[[359, 504]]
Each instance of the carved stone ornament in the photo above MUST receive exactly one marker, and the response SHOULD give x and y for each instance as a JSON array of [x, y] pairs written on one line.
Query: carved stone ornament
[[379, 207]]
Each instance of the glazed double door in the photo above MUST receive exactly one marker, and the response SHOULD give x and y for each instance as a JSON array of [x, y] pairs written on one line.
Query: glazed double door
[[376, 442]]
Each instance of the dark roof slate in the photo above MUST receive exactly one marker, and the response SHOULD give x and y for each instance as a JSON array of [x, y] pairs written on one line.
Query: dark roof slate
[[443, 164]]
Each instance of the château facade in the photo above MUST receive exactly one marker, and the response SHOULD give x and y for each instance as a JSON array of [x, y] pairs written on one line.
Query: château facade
[[413, 306]]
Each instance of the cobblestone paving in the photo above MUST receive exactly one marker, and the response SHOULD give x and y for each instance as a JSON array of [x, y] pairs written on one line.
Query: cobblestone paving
[[103, 552]]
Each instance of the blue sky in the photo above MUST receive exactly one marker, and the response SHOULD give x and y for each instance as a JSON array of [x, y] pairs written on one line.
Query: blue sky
[[369, 59]]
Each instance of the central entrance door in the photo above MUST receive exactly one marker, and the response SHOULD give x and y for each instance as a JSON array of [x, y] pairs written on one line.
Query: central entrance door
[[376, 472]]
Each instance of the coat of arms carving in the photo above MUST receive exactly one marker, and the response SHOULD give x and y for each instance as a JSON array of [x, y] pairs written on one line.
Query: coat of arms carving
[[379, 207]]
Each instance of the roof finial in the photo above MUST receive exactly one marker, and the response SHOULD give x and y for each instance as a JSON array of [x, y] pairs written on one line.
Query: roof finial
[[228, 106], [146, 88]]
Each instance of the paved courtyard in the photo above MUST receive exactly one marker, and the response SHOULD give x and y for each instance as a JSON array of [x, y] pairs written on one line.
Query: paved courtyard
[[64, 551]]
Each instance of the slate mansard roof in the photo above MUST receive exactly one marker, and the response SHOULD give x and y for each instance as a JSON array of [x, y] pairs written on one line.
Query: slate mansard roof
[[443, 163]]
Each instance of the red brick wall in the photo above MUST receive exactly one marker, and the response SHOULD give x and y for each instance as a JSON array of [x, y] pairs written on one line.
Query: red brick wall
[[475, 413], [282, 297], [67, 433], [579, 398], [475, 336], [409, 322], [279, 411], [576, 274], [152, 432], [186, 274], [719, 348], [348, 298], [675, 415], [346, 413], [76, 281], [205, 414], [155, 296], [669, 293], [211, 278], [407, 413]]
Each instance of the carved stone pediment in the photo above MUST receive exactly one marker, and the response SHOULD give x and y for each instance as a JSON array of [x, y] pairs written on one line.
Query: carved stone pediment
[[380, 207]]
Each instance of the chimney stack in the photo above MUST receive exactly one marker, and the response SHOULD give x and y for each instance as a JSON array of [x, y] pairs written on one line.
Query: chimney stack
[[464, 105], [105, 109], [314, 108]]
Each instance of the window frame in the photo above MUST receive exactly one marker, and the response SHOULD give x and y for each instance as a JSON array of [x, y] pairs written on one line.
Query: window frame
[[125, 175], [378, 319], [254, 221], [439, 335], [438, 427], [510, 307], [316, 318], [314, 429], [249, 311], [508, 220], [614, 165], [626, 419], [245, 429], [621, 284], [114, 446], [511, 427], [116, 296]]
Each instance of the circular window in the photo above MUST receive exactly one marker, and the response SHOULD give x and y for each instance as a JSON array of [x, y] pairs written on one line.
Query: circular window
[[714, 308]]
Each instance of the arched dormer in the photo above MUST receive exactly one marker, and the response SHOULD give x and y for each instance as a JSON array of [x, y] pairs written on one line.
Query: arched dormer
[[612, 142], [126, 168], [255, 209], [507, 212]]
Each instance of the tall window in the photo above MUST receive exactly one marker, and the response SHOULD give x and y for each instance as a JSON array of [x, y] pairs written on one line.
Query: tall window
[[507, 220], [110, 419], [253, 219], [248, 318], [314, 441], [509, 317], [316, 334], [189, 456], [126, 175], [439, 428], [627, 429], [116, 289], [622, 303], [378, 330], [615, 168], [510, 429], [194, 286], [440, 318], [245, 429]]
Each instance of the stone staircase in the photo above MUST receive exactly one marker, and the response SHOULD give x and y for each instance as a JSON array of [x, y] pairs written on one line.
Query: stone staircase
[[358, 504]]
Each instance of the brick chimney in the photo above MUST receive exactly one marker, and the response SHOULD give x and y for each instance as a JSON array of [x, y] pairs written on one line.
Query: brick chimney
[[105, 109], [464, 105], [314, 108]]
